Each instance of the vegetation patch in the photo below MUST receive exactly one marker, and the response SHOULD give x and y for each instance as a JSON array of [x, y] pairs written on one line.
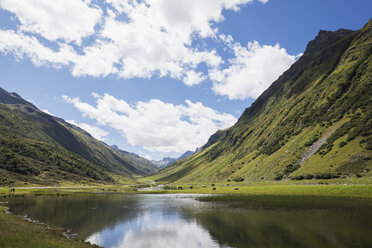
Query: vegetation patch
[[238, 179]]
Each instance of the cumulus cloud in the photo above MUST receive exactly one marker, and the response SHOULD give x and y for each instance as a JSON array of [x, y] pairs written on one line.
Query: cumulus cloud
[[193, 78], [155, 125], [22, 45], [96, 132], [69, 20], [128, 39], [142, 39], [252, 69]]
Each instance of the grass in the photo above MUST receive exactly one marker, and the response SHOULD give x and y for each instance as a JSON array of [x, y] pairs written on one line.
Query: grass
[[17, 232], [351, 191], [70, 189], [336, 190]]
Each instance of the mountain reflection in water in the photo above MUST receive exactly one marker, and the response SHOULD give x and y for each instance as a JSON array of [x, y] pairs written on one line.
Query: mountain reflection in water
[[181, 221]]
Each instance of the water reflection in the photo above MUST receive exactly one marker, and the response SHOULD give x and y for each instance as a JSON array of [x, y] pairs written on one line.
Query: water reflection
[[304, 228], [160, 222], [180, 221], [83, 214], [153, 230]]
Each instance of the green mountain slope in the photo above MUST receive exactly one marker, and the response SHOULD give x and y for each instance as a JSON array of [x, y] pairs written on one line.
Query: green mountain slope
[[314, 122], [38, 148]]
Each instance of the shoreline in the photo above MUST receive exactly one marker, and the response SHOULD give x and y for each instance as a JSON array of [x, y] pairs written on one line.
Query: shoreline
[[21, 231], [324, 190]]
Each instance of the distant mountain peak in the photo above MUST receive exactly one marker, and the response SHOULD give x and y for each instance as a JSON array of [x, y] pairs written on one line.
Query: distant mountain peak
[[168, 160]]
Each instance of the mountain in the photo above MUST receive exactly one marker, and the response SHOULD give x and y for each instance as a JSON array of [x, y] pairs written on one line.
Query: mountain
[[313, 123], [161, 164], [145, 164], [38, 148], [185, 155], [168, 161]]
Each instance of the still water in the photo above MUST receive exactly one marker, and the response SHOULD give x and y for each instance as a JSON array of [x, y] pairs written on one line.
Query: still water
[[181, 221]]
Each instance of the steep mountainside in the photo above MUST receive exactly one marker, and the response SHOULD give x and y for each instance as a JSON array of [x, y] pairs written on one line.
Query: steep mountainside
[[145, 164], [38, 148], [313, 123]]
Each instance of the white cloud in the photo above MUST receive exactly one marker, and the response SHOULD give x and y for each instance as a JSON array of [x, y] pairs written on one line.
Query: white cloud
[[142, 39], [156, 40], [70, 20], [148, 157], [155, 125], [193, 78], [96, 132], [126, 38], [46, 111], [22, 45], [251, 71]]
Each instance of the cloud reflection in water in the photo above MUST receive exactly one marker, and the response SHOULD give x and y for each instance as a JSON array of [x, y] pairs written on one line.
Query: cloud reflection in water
[[153, 230]]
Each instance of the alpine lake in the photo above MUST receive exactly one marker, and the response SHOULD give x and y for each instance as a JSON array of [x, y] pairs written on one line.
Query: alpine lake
[[185, 221]]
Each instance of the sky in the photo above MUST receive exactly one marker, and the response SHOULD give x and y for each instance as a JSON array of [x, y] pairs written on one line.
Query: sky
[[157, 77]]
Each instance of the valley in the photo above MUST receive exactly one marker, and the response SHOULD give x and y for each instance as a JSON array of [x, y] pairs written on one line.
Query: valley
[[295, 170]]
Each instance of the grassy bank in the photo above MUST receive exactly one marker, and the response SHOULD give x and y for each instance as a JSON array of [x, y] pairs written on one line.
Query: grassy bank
[[353, 191], [16, 232], [5, 191], [351, 197]]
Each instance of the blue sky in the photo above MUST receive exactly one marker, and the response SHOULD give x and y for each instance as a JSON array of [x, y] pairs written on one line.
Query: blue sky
[[157, 77]]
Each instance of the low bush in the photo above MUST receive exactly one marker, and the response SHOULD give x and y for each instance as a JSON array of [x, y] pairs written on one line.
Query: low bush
[[238, 179], [326, 175]]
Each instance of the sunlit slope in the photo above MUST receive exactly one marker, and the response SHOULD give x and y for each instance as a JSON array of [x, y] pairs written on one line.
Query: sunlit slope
[[314, 122], [41, 149]]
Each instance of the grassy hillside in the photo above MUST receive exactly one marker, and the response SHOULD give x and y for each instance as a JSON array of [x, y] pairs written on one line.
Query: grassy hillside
[[312, 124], [38, 148]]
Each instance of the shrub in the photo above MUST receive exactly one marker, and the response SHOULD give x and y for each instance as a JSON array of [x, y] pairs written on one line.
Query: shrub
[[291, 168], [238, 179], [312, 141], [326, 175], [167, 187], [309, 176], [343, 143], [278, 177], [300, 177]]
